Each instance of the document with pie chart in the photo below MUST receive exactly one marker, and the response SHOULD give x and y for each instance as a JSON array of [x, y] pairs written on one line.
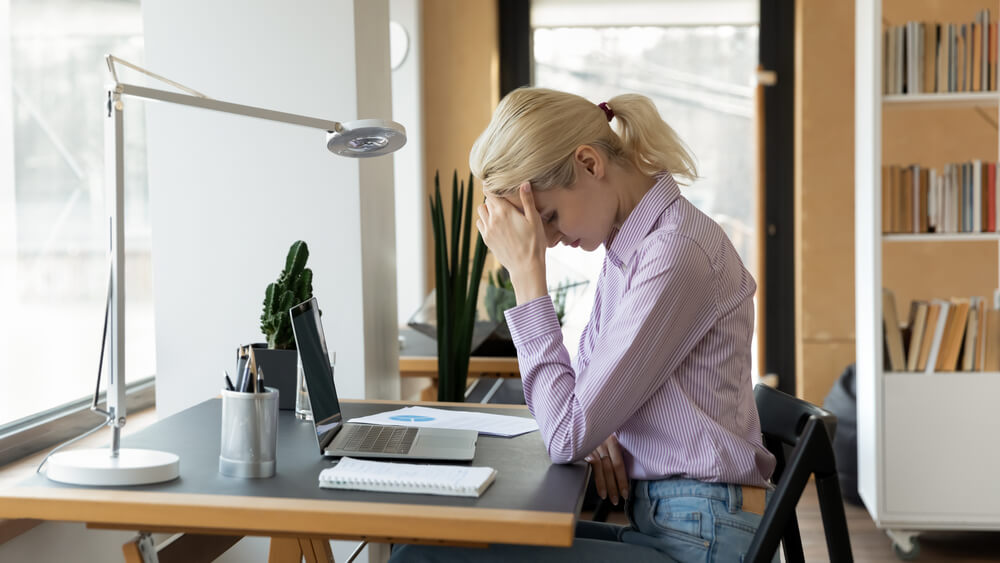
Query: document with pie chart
[[484, 423]]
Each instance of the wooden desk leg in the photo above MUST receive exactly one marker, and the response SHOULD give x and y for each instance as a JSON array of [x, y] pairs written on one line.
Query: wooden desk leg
[[284, 550], [316, 550], [140, 549]]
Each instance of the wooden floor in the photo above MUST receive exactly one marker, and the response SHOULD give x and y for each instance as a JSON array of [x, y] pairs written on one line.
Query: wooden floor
[[871, 545]]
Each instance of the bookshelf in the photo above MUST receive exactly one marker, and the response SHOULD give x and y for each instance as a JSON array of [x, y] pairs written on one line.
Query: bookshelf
[[958, 99], [940, 237], [928, 443]]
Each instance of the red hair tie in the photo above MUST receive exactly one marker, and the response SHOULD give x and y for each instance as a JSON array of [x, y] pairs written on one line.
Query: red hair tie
[[607, 110]]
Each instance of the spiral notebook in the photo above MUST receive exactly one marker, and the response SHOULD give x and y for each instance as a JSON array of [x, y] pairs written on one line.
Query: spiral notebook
[[391, 477]]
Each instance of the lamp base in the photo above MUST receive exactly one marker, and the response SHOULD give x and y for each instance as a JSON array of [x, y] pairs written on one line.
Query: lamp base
[[97, 467]]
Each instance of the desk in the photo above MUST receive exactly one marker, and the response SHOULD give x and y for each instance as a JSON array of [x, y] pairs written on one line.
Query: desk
[[418, 358], [531, 502]]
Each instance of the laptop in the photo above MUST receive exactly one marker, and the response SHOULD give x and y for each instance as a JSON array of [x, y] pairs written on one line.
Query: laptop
[[337, 438]]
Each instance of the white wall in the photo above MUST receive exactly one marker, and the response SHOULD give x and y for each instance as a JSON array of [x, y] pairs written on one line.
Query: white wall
[[229, 194], [8, 218], [411, 199]]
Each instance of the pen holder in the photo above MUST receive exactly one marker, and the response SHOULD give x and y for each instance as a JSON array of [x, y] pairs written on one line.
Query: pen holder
[[249, 433]]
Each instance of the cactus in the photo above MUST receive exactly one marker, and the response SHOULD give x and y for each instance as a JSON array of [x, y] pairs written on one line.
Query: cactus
[[294, 286]]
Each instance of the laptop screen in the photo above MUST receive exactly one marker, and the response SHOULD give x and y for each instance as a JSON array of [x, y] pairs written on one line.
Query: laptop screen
[[315, 360]]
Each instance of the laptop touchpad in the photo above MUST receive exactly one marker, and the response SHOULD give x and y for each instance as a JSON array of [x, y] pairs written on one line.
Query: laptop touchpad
[[428, 441]]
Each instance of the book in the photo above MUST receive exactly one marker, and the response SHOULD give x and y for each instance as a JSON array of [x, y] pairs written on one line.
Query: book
[[976, 54], [960, 50], [893, 335], [945, 311], [971, 335], [923, 202], [930, 326], [984, 45], [977, 194], [906, 200], [951, 342], [993, 55], [930, 51], [393, 477], [940, 62], [918, 318]]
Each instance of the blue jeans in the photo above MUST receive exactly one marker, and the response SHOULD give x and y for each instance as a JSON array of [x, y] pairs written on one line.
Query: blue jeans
[[672, 520]]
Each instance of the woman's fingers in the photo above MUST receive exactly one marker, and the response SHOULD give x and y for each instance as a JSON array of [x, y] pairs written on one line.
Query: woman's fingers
[[598, 469], [618, 465], [528, 203], [609, 478], [490, 203]]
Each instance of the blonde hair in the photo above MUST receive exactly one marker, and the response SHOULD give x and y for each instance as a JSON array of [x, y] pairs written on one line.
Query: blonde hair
[[535, 132]]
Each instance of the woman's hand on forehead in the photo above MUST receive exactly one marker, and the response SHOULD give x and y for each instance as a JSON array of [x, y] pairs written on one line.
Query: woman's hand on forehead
[[516, 239], [515, 199]]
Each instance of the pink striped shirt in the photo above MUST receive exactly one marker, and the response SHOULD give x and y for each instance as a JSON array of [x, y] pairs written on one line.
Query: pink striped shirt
[[664, 362]]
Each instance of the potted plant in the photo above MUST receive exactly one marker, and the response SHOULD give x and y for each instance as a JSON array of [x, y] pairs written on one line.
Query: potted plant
[[456, 287], [293, 286]]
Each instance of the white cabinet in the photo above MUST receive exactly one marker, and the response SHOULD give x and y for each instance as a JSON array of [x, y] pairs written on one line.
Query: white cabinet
[[928, 444]]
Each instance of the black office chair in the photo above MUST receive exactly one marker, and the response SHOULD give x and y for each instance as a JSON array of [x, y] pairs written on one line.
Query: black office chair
[[808, 431]]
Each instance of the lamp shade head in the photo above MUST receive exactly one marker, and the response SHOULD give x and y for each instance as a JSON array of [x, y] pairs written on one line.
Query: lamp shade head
[[366, 137]]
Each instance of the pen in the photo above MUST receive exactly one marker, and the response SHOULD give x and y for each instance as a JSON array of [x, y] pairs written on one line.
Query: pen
[[229, 382], [260, 379], [240, 365], [245, 381]]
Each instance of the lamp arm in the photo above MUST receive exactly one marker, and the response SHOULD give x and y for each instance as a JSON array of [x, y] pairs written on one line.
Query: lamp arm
[[196, 99], [225, 107], [111, 60]]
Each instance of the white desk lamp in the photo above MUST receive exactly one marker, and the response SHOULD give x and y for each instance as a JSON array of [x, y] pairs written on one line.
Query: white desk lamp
[[115, 465]]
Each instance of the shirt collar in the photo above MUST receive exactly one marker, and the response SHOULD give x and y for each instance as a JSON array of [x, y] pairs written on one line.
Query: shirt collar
[[639, 223]]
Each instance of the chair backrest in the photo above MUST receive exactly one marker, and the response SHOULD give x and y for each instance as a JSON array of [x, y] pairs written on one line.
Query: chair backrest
[[807, 430]]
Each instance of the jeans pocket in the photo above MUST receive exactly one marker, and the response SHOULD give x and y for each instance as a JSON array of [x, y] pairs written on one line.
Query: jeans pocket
[[733, 536], [680, 527]]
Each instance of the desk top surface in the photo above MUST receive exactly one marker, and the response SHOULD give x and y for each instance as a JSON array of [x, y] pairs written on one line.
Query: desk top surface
[[528, 486]]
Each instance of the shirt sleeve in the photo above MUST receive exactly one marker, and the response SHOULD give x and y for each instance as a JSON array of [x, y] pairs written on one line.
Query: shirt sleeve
[[669, 304]]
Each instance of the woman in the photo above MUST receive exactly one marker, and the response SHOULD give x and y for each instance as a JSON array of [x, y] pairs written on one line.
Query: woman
[[661, 393]]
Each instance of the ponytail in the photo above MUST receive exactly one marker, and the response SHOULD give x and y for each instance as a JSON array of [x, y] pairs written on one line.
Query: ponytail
[[535, 132], [648, 141]]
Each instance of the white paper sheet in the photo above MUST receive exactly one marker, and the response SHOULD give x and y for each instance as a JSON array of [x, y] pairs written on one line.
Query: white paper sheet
[[491, 424]]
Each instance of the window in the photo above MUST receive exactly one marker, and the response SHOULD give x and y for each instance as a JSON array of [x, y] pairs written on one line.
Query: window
[[54, 234], [700, 76]]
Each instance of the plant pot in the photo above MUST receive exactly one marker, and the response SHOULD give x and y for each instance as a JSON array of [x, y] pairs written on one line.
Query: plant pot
[[280, 372]]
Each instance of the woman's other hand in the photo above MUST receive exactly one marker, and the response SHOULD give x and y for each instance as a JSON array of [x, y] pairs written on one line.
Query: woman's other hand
[[517, 238], [609, 470]]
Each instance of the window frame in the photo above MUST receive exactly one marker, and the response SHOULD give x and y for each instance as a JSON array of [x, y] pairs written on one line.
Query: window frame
[[34, 433]]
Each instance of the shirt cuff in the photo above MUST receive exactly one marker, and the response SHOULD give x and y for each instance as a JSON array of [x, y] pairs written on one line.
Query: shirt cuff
[[530, 320]]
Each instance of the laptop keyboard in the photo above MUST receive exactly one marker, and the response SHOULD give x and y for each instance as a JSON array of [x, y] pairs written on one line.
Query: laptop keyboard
[[369, 438]]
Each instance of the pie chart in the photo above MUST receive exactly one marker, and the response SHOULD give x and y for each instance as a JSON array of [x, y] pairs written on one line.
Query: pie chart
[[412, 418]]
